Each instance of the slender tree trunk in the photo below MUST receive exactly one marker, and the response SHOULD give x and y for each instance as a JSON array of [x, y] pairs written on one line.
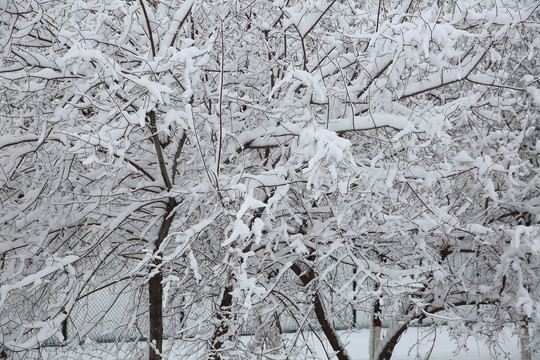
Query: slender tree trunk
[[155, 288], [388, 344], [327, 328], [155, 291], [223, 328]]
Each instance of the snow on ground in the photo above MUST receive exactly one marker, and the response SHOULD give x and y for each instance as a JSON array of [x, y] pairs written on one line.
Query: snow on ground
[[444, 348], [357, 347]]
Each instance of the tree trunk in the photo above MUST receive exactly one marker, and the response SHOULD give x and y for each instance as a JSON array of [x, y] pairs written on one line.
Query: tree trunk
[[223, 328], [327, 328], [155, 291], [389, 342], [155, 288]]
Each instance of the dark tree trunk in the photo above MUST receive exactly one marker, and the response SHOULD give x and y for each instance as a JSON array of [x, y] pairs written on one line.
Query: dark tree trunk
[[155, 288], [388, 348], [156, 315], [327, 328], [223, 314]]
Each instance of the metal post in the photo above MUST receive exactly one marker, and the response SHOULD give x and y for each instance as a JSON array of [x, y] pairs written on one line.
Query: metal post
[[354, 291], [65, 327]]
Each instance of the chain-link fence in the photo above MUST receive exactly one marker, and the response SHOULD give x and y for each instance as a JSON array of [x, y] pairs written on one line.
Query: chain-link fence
[[121, 313]]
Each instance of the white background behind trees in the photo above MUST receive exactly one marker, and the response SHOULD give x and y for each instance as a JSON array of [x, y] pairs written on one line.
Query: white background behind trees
[[239, 156]]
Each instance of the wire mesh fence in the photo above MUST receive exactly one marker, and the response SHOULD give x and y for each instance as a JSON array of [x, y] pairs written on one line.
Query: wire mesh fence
[[120, 313]]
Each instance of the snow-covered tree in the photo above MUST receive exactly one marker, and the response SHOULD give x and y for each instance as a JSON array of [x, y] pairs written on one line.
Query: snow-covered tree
[[231, 166]]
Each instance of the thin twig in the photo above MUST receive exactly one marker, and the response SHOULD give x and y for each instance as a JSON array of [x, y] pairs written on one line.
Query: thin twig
[[150, 36], [375, 77], [378, 15], [220, 105]]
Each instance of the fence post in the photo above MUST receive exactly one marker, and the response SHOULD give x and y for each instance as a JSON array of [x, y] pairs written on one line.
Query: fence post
[[375, 331], [354, 298], [65, 327]]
